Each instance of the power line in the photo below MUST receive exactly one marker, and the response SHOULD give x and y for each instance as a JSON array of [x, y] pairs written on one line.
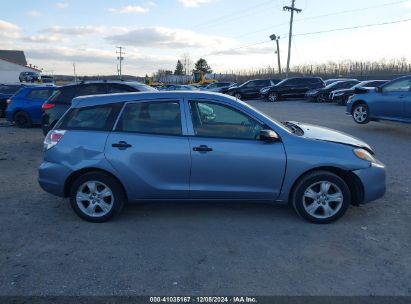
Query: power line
[[323, 16], [354, 27], [230, 15], [311, 33]]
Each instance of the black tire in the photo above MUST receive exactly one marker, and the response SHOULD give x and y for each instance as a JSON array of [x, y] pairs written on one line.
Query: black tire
[[22, 120], [273, 97], [238, 96], [2, 112], [322, 98], [106, 179], [361, 113], [313, 178]]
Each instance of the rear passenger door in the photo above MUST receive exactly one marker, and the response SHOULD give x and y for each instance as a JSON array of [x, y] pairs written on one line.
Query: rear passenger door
[[34, 100], [150, 150]]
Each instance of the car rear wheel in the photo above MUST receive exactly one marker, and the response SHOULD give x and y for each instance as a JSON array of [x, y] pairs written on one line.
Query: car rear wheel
[[96, 197], [273, 97], [360, 113], [321, 197], [22, 120], [238, 96]]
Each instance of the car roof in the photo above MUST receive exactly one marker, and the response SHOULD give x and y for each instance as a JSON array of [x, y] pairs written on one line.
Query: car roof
[[130, 83], [93, 100]]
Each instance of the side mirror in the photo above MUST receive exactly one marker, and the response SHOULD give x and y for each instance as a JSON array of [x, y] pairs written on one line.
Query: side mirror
[[378, 89], [268, 136]]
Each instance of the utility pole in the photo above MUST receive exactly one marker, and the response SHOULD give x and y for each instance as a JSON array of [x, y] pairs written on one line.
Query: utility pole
[[120, 58], [74, 70], [291, 9], [276, 38]]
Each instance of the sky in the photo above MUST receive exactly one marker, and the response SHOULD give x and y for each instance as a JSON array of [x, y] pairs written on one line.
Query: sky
[[232, 35]]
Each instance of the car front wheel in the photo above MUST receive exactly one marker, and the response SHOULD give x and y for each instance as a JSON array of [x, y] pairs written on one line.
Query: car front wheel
[[273, 97], [96, 197], [321, 197], [238, 96], [360, 113]]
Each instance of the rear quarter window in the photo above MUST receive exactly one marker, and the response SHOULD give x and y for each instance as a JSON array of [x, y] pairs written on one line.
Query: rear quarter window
[[63, 95], [98, 118], [39, 94]]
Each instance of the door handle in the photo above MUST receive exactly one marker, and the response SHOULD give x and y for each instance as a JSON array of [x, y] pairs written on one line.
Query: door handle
[[122, 145], [401, 96], [202, 148]]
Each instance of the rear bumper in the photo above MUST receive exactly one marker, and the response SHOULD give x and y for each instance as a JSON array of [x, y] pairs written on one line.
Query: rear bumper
[[52, 177], [373, 181]]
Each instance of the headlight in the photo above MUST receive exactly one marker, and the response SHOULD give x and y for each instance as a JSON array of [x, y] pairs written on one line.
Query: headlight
[[350, 98], [364, 155], [264, 90], [338, 94]]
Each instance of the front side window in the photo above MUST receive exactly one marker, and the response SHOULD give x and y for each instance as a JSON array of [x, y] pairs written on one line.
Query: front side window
[[250, 84], [216, 120], [402, 85], [99, 118], [152, 118]]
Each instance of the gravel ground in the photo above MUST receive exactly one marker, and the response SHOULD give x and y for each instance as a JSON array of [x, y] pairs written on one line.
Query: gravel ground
[[206, 249]]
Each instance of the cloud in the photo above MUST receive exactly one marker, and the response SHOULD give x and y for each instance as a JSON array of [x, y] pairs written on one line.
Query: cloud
[[61, 5], [193, 3], [44, 38], [34, 13], [169, 38], [75, 31], [407, 4], [9, 30], [129, 9], [96, 61], [151, 3]]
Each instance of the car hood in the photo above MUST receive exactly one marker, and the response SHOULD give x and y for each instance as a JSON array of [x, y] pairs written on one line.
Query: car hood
[[326, 134]]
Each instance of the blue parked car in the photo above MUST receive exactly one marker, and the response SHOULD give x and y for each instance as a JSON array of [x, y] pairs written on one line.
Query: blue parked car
[[195, 146], [24, 108], [391, 101]]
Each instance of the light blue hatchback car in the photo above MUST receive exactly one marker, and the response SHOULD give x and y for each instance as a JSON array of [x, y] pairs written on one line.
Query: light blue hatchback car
[[110, 149]]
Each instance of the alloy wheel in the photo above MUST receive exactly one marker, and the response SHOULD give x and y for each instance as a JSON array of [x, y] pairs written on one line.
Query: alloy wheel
[[360, 114], [94, 198], [273, 97], [322, 199]]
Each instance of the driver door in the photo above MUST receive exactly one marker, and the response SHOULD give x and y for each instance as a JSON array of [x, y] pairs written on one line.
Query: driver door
[[390, 102], [228, 161]]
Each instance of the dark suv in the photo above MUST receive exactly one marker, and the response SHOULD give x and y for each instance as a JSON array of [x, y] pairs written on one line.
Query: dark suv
[[251, 88], [295, 87], [60, 101]]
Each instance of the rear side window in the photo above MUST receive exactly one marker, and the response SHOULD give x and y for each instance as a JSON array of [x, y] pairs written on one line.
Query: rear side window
[[119, 88], [98, 118], [39, 94], [91, 89], [152, 118]]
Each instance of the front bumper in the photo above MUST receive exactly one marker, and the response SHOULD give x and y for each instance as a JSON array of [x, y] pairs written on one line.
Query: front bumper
[[52, 177], [373, 181]]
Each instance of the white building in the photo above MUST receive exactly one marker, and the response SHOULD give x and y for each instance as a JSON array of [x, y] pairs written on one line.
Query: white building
[[12, 63]]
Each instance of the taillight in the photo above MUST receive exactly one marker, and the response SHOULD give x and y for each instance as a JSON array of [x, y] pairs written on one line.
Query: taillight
[[52, 138], [47, 106]]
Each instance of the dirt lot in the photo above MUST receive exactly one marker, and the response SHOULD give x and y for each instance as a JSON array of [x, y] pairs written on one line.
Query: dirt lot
[[206, 249]]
